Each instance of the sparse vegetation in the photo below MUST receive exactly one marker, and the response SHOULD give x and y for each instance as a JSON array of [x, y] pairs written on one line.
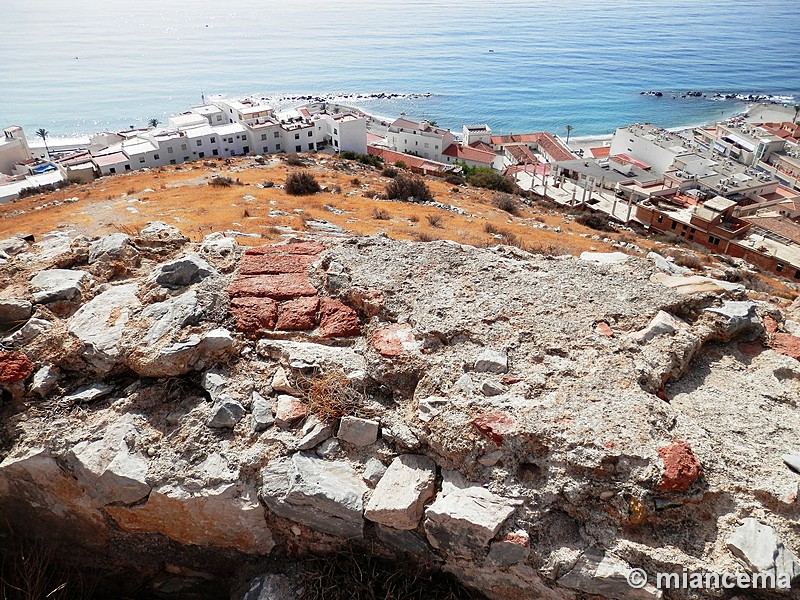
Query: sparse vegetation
[[301, 183], [409, 188], [294, 161], [506, 202], [381, 214], [364, 159], [330, 395], [222, 181], [434, 220], [423, 236], [596, 221], [390, 172], [42, 189], [484, 177], [400, 164], [454, 180]]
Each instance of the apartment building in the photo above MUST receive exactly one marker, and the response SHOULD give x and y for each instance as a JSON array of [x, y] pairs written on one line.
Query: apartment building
[[420, 139]]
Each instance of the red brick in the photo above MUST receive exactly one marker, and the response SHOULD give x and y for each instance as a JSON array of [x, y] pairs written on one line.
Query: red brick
[[14, 366], [293, 248], [254, 314], [278, 287], [368, 302], [337, 319], [770, 324], [495, 425], [262, 264], [786, 344], [681, 468], [298, 315], [394, 341], [289, 410]]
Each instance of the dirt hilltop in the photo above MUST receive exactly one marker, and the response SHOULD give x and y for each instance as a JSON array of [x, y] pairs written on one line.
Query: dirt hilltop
[[193, 413]]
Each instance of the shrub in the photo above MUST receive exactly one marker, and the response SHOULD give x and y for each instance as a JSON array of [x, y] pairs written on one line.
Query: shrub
[[408, 188], [454, 180], [484, 177], [364, 159], [424, 237], [595, 221], [355, 181], [329, 395], [506, 202], [548, 249], [434, 220], [390, 172], [414, 218], [294, 160], [221, 181], [380, 214], [491, 228], [401, 164], [301, 183]]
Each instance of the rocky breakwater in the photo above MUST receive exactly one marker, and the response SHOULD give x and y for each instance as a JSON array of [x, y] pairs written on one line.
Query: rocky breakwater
[[537, 427]]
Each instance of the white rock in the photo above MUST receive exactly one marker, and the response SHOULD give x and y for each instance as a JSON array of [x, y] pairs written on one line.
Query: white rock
[[400, 496], [358, 431], [604, 258], [55, 285], [491, 361]]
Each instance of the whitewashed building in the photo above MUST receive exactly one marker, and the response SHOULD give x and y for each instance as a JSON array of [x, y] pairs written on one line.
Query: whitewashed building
[[13, 149], [421, 139]]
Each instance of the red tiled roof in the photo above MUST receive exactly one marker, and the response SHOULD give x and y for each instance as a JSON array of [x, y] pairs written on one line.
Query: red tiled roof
[[537, 169], [413, 162], [468, 153], [522, 154], [601, 152], [516, 138], [627, 159], [554, 149], [482, 146], [779, 225], [372, 138]]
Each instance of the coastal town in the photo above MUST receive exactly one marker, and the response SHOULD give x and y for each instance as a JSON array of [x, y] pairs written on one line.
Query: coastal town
[[732, 187]]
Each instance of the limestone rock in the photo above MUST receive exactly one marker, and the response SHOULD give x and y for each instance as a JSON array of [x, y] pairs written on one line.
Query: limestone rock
[[736, 317], [157, 235], [217, 245], [181, 272], [759, 548], [55, 285], [314, 433], [604, 258], [280, 383], [491, 388], [108, 468], [697, 284], [330, 448], [662, 324], [602, 574], [373, 471], [89, 393], [262, 413], [324, 495], [14, 311], [115, 246], [357, 431], [491, 361], [100, 323], [215, 383], [400, 496], [226, 413], [465, 516], [308, 355], [667, 266], [43, 380]]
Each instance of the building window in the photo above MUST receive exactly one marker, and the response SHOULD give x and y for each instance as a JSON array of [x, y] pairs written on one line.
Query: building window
[[674, 224], [170, 150], [155, 157], [660, 218], [277, 147], [311, 146], [297, 136], [213, 140], [141, 160], [336, 143], [336, 131], [277, 134], [263, 136], [202, 154], [310, 134], [112, 170], [298, 148], [215, 152], [230, 140], [172, 161], [219, 117], [183, 147], [779, 267], [265, 150], [127, 167], [185, 158], [199, 142], [714, 241], [245, 149], [797, 274]]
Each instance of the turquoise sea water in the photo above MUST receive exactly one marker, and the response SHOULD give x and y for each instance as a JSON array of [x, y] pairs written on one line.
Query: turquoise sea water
[[87, 65]]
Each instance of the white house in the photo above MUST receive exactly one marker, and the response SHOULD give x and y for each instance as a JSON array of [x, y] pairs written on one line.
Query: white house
[[13, 149], [346, 132], [421, 139]]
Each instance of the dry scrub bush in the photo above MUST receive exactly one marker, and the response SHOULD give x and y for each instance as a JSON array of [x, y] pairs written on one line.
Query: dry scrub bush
[[301, 183]]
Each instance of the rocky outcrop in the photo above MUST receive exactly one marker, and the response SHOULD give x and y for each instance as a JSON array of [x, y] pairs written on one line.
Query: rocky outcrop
[[536, 427]]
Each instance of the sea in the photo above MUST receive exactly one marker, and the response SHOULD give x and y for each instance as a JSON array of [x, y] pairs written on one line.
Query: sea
[[83, 66]]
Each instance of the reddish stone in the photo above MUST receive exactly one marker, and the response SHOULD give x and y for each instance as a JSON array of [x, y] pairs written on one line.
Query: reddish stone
[[298, 315], [770, 324], [254, 314], [262, 264], [495, 425], [278, 287], [14, 366], [681, 468], [394, 341], [368, 302], [293, 248], [337, 319], [786, 344], [604, 329], [521, 538], [289, 410]]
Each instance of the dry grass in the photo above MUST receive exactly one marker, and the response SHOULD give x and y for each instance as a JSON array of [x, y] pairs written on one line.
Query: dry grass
[[381, 214], [330, 395]]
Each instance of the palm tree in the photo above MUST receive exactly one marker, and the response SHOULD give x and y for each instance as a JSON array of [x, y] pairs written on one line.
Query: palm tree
[[153, 123], [569, 130], [43, 133]]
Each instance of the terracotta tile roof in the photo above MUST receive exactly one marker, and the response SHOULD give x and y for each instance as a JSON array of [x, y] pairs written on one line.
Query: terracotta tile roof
[[780, 225], [482, 146], [516, 138], [522, 154], [415, 163], [627, 159], [601, 152], [467, 153], [554, 149], [537, 169]]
